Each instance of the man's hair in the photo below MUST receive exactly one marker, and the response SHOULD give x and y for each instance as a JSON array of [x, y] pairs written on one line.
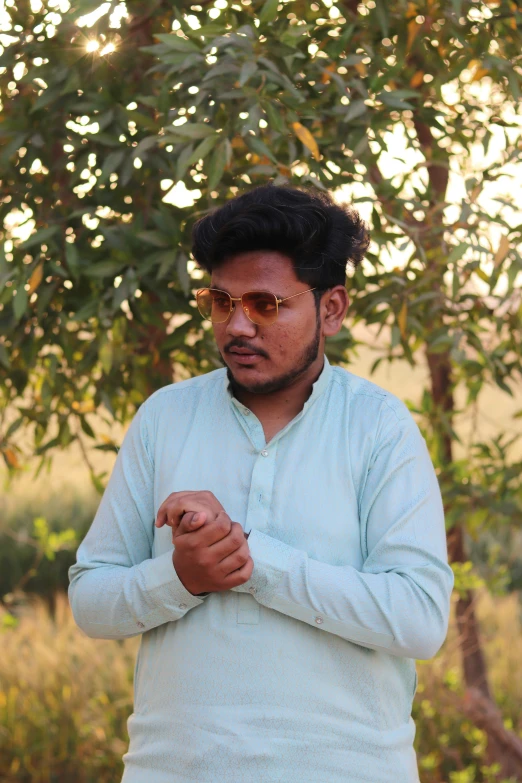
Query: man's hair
[[306, 225]]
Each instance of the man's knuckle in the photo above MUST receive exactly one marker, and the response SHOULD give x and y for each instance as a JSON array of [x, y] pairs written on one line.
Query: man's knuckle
[[223, 522], [243, 558], [237, 537]]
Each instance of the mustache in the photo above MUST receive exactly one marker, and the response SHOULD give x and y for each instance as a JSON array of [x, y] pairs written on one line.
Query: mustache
[[245, 346]]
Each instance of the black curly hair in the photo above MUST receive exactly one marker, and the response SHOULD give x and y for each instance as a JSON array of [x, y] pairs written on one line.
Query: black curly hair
[[320, 236]]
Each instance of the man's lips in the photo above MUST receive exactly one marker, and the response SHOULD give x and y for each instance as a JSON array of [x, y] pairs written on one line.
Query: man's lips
[[245, 355]]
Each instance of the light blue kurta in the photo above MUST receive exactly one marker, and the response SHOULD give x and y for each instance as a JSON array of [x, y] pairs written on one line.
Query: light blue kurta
[[306, 673]]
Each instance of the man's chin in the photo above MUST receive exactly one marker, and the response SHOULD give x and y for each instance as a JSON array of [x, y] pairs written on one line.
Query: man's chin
[[259, 386]]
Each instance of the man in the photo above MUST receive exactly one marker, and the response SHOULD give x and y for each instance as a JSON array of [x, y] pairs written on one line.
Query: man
[[274, 529]]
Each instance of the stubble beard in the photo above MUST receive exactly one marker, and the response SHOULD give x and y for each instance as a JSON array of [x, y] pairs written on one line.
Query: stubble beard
[[307, 358]]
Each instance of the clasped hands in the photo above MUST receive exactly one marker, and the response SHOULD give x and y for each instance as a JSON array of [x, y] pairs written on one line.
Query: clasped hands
[[211, 552]]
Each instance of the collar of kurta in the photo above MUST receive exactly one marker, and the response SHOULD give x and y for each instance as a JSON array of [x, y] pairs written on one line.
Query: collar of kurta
[[318, 388]]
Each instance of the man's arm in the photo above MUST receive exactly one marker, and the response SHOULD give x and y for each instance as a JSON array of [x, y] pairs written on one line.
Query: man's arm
[[400, 601], [117, 589]]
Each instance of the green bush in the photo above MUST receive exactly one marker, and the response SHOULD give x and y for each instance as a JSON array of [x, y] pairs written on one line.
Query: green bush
[[20, 530]]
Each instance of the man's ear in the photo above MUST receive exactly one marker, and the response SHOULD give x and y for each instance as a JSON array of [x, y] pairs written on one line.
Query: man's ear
[[335, 306]]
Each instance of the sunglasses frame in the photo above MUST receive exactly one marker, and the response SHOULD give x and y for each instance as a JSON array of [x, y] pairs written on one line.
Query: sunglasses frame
[[240, 299]]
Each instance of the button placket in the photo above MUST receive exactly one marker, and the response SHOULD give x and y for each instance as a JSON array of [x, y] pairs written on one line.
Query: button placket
[[261, 489]]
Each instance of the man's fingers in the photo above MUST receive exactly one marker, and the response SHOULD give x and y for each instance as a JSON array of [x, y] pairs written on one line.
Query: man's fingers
[[190, 521], [178, 503]]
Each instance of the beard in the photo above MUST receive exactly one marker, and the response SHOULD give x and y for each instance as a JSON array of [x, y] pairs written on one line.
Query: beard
[[306, 359]]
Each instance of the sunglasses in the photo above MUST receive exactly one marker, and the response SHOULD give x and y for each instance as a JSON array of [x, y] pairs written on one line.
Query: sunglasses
[[260, 307]]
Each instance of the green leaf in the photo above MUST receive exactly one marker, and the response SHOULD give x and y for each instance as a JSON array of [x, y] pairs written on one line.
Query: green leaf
[[201, 152], [381, 11], [247, 70], [155, 238], [269, 11], [149, 142], [176, 43], [20, 302], [72, 258], [440, 344], [259, 147], [106, 355], [455, 282], [355, 109], [13, 146], [182, 162], [112, 162], [39, 237], [105, 269], [49, 95], [392, 100], [45, 294], [4, 357], [192, 130], [275, 117], [457, 253], [86, 312], [183, 275], [216, 166], [86, 427]]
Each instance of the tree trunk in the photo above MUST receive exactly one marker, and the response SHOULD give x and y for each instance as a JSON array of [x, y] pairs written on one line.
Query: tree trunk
[[504, 747]]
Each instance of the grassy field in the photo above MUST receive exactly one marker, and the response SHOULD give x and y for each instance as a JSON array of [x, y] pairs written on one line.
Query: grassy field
[[65, 699]]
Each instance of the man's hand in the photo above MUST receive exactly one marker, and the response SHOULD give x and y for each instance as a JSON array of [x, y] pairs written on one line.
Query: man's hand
[[211, 552], [178, 503]]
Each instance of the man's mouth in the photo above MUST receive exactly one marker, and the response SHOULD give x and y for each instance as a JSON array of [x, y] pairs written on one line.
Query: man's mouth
[[245, 355]]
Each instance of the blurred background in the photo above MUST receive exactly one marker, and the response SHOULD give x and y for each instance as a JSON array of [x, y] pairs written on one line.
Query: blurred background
[[121, 124]]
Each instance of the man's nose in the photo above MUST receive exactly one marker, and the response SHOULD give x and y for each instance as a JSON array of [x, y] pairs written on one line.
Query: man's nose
[[238, 323]]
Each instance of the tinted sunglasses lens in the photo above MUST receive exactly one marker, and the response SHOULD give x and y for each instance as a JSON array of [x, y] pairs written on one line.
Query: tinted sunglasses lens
[[260, 307], [214, 305]]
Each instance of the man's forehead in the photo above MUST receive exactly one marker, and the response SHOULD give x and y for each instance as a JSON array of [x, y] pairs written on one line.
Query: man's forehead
[[257, 268]]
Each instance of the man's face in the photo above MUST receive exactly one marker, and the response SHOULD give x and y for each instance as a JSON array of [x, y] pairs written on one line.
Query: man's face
[[284, 351]]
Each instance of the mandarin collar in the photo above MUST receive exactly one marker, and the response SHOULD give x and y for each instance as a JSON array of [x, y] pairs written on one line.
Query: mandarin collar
[[319, 386]]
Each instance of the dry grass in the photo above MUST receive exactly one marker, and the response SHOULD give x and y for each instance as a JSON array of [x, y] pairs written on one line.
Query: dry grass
[[65, 699]]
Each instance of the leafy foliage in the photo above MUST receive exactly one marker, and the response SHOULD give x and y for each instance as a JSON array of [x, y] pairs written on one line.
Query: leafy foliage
[[95, 302]]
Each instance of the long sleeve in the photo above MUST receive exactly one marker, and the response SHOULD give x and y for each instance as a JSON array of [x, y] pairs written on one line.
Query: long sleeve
[[400, 600], [117, 589]]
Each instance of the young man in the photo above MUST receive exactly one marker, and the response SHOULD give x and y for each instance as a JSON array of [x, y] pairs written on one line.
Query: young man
[[274, 529]]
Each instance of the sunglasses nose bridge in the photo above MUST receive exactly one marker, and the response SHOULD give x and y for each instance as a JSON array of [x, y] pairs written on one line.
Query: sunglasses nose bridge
[[232, 321]]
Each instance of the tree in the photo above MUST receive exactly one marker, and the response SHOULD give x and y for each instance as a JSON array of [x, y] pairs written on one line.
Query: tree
[[98, 121]]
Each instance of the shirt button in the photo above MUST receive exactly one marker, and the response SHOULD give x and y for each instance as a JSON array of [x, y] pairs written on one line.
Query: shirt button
[[183, 606], [246, 411], [264, 453], [140, 625], [319, 620], [252, 590]]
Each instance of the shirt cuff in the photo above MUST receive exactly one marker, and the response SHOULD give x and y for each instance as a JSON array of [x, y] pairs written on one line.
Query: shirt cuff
[[160, 579], [272, 560]]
